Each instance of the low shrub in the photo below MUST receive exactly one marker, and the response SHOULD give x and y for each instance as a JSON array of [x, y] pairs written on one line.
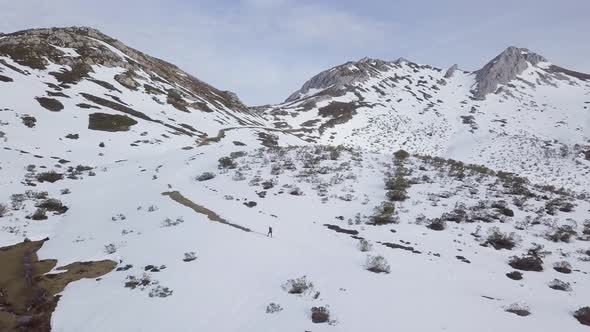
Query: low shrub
[[273, 308], [377, 264], [169, 222], [563, 267], [226, 162], [298, 286], [437, 224], [160, 291], [520, 309], [401, 154], [514, 275], [562, 233], [560, 285], [384, 214], [365, 245], [39, 214], [397, 195], [189, 256], [527, 263], [3, 210], [53, 205], [500, 240], [205, 176]]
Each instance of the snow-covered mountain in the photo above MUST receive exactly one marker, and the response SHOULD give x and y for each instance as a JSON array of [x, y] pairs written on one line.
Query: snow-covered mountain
[[135, 197], [519, 113]]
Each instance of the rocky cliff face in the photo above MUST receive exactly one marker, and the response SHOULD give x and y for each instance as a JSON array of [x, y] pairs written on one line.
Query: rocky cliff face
[[341, 76], [503, 69]]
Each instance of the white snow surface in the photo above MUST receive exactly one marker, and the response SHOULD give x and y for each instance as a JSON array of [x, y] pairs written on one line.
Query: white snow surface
[[237, 274]]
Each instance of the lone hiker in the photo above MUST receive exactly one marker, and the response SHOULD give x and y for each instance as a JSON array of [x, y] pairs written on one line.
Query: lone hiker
[[269, 232]]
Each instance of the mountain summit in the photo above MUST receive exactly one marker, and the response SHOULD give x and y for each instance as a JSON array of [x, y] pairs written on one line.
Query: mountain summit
[[504, 68], [472, 116]]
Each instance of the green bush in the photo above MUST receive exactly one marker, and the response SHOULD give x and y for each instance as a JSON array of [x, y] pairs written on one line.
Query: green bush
[[49, 177], [384, 214], [401, 154], [226, 162], [397, 195]]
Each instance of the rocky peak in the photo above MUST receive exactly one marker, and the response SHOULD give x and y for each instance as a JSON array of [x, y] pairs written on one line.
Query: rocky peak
[[504, 68], [341, 76], [451, 71]]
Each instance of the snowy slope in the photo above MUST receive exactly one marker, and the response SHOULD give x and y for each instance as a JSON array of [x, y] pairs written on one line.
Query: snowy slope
[[181, 193], [537, 124]]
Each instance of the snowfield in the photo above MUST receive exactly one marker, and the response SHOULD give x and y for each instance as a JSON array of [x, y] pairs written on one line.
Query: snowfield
[[178, 190]]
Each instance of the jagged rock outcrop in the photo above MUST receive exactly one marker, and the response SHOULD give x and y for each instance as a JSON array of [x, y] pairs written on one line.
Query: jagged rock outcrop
[[341, 76], [503, 69], [451, 71]]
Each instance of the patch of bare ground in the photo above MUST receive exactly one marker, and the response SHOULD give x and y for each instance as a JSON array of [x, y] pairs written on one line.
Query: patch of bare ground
[[28, 295], [179, 198]]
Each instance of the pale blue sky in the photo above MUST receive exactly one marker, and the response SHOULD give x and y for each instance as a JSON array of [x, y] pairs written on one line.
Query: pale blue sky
[[265, 49]]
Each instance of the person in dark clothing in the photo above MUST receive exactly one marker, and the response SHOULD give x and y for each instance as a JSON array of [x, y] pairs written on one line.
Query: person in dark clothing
[[269, 232]]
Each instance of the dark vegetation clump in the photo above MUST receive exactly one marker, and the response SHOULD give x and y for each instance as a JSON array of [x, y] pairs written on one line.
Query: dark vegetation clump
[[5, 79], [527, 263], [3, 210], [377, 264], [384, 214], [583, 315], [514, 275], [563, 267], [50, 177], [514, 185], [437, 224], [397, 185], [562, 233], [53, 205], [519, 309], [273, 308], [29, 121], [39, 214], [401, 155], [205, 176], [500, 240], [558, 204], [503, 209], [50, 104], [320, 315], [77, 72], [226, 163], [560, 285], [109, 122], [298, 286]]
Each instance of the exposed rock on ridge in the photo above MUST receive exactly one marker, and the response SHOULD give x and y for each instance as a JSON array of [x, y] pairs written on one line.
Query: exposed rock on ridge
[[503, 69], [341, 76], [36, 48]]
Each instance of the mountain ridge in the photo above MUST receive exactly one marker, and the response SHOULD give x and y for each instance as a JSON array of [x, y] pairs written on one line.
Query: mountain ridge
[[389, 190]]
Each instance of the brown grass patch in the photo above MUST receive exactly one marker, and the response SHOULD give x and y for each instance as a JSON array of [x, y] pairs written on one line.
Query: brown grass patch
[[28, 295]]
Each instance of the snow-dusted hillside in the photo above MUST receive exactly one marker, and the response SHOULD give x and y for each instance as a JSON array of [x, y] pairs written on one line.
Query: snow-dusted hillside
[[134, 197], [62, 89], [519, 113]]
